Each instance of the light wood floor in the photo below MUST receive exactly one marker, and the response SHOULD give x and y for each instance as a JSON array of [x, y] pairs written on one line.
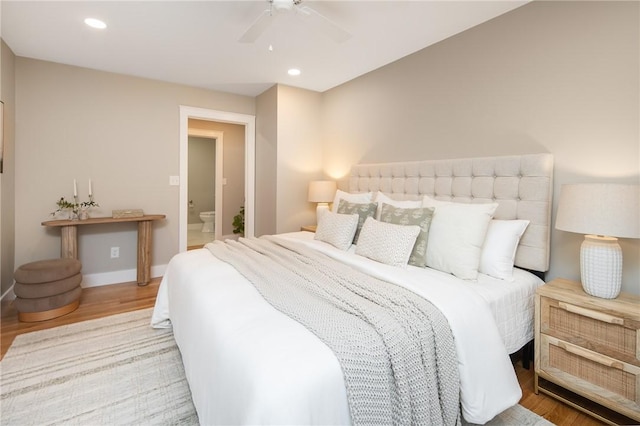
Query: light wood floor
[[107, 300]]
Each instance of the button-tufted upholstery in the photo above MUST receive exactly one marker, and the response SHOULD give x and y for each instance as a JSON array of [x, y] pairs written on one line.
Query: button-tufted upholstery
[[521, 185]]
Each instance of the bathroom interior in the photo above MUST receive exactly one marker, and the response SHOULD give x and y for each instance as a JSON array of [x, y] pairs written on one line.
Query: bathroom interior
[[201, 191]]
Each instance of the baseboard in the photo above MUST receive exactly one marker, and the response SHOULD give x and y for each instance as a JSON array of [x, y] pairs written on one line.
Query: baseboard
[[8, 295], [117, 277], [102, 278]]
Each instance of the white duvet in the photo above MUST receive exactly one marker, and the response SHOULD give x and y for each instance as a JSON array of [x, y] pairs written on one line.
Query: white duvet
[[247, 363]]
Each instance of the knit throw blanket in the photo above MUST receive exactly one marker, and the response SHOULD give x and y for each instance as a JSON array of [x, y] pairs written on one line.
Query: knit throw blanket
[[395, 348]]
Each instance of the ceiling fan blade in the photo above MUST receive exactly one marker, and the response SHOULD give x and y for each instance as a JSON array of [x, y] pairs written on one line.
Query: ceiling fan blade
[[324, 24], [258, 27]]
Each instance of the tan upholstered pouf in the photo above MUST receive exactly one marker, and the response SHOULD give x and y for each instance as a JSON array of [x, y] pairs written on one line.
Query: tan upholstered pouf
[[47, 289]]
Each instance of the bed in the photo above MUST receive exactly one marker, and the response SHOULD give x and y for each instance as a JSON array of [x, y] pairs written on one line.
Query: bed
[[248, 363]]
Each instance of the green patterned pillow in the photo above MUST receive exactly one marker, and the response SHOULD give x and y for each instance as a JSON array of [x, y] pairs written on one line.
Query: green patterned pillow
[[364, 210], [420, 216]]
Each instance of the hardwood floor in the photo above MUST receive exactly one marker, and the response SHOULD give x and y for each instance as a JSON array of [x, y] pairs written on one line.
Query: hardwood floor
[[95, 302], [107, 300]]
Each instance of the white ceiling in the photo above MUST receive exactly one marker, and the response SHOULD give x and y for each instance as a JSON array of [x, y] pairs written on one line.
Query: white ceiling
[[196, 42]]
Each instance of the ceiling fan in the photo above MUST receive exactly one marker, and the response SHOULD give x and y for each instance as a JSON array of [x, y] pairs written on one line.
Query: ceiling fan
[[324, 24]]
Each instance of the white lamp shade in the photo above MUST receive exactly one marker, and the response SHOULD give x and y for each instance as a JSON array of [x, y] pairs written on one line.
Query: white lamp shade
[[600, 209], [603, 212], [322, 191]]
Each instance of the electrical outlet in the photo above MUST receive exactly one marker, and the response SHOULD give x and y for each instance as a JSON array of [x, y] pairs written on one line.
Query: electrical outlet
[[115, 252], [174, 180]]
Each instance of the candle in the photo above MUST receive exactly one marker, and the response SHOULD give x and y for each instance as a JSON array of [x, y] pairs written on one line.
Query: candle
[[75, 188], [90, 191]]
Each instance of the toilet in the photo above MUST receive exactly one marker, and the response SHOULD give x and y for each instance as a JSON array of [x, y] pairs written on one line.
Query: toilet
[[208, 218]]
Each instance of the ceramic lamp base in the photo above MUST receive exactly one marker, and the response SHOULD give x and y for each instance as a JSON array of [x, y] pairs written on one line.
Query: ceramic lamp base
[[601, 266], [320, 210]]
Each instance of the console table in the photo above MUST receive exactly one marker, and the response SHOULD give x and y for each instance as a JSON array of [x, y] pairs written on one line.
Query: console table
[[69, 239]]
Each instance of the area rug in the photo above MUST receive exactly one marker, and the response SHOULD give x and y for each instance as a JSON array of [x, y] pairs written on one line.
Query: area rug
[[112, 371]]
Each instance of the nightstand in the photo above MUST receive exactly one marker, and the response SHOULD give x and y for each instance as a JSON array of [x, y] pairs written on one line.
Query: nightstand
[[310, 228], [588, 351]]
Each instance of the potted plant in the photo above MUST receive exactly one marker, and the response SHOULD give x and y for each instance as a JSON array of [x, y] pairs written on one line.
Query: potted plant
[[66, 206], [75, 210], [238, 222], [85, 206]]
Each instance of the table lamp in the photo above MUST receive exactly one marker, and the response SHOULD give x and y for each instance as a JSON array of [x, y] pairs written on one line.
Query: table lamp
[[604, 212], [322, 192]]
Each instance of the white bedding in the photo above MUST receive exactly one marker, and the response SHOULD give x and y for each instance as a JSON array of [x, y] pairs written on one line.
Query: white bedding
[[246, 363]]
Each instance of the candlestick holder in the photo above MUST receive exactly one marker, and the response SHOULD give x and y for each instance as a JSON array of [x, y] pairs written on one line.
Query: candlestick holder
[[75, 211], [85, 206]]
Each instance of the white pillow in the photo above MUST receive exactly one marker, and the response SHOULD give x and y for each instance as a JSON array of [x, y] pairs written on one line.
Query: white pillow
[[365, 197], [456, 237], [380, 198], [432, 202], [500, 245], [386, 242], [337, 229]]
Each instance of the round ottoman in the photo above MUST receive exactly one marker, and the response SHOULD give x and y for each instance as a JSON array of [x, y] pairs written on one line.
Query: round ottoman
[[47, 289]]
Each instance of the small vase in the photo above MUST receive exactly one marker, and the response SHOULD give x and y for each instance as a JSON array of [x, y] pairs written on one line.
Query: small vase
[[84, 214], [71, 214]]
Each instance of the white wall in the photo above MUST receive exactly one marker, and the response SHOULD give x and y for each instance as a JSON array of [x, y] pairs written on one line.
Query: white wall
[[558, 77]]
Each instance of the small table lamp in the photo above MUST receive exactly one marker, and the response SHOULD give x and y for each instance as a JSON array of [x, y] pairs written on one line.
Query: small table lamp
[[322, 192], [603, 212]]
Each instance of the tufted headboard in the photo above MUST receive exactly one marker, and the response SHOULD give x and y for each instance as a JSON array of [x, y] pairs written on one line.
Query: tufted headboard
[[522, 186]]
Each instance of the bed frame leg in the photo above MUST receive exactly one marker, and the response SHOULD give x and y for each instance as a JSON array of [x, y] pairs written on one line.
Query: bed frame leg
[[527, 354]]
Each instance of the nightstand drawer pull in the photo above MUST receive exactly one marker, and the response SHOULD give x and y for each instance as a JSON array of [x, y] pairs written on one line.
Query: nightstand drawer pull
[[600, 359], [600, 316]]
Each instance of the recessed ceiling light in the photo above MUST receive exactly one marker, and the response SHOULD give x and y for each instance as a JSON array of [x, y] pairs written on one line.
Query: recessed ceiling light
[[294, 71], [95, 23]]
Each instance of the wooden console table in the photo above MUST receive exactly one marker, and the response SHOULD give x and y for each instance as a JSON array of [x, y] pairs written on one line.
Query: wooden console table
[[69, 239]]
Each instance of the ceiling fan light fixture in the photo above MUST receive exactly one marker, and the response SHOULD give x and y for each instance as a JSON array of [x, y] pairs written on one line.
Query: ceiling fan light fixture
[[95, 23], [294, 72], [321, 22], [282, 4]]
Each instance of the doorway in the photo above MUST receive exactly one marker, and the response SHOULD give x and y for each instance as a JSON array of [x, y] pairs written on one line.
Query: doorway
[[205, 180], [248, 122]]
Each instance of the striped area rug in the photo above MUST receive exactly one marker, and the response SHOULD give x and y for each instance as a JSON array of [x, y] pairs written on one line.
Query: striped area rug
[[113, 371], [110, 371]]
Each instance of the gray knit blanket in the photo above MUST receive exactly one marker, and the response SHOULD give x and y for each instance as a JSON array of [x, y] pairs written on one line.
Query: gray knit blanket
[[395, 348]]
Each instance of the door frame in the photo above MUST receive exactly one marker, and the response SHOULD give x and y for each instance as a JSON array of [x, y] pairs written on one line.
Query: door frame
[[249, 123], [218, 138]]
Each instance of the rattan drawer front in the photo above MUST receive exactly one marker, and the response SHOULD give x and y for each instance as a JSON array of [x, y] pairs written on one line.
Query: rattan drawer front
[[608, 334], [609, 381]]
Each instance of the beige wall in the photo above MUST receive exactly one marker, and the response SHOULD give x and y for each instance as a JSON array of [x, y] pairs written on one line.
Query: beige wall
[[202, 178], [299, 155], [288, 157], [558, 77], [7, 178], [548, 77], [120, 131], [232, 168], [266, 161]]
